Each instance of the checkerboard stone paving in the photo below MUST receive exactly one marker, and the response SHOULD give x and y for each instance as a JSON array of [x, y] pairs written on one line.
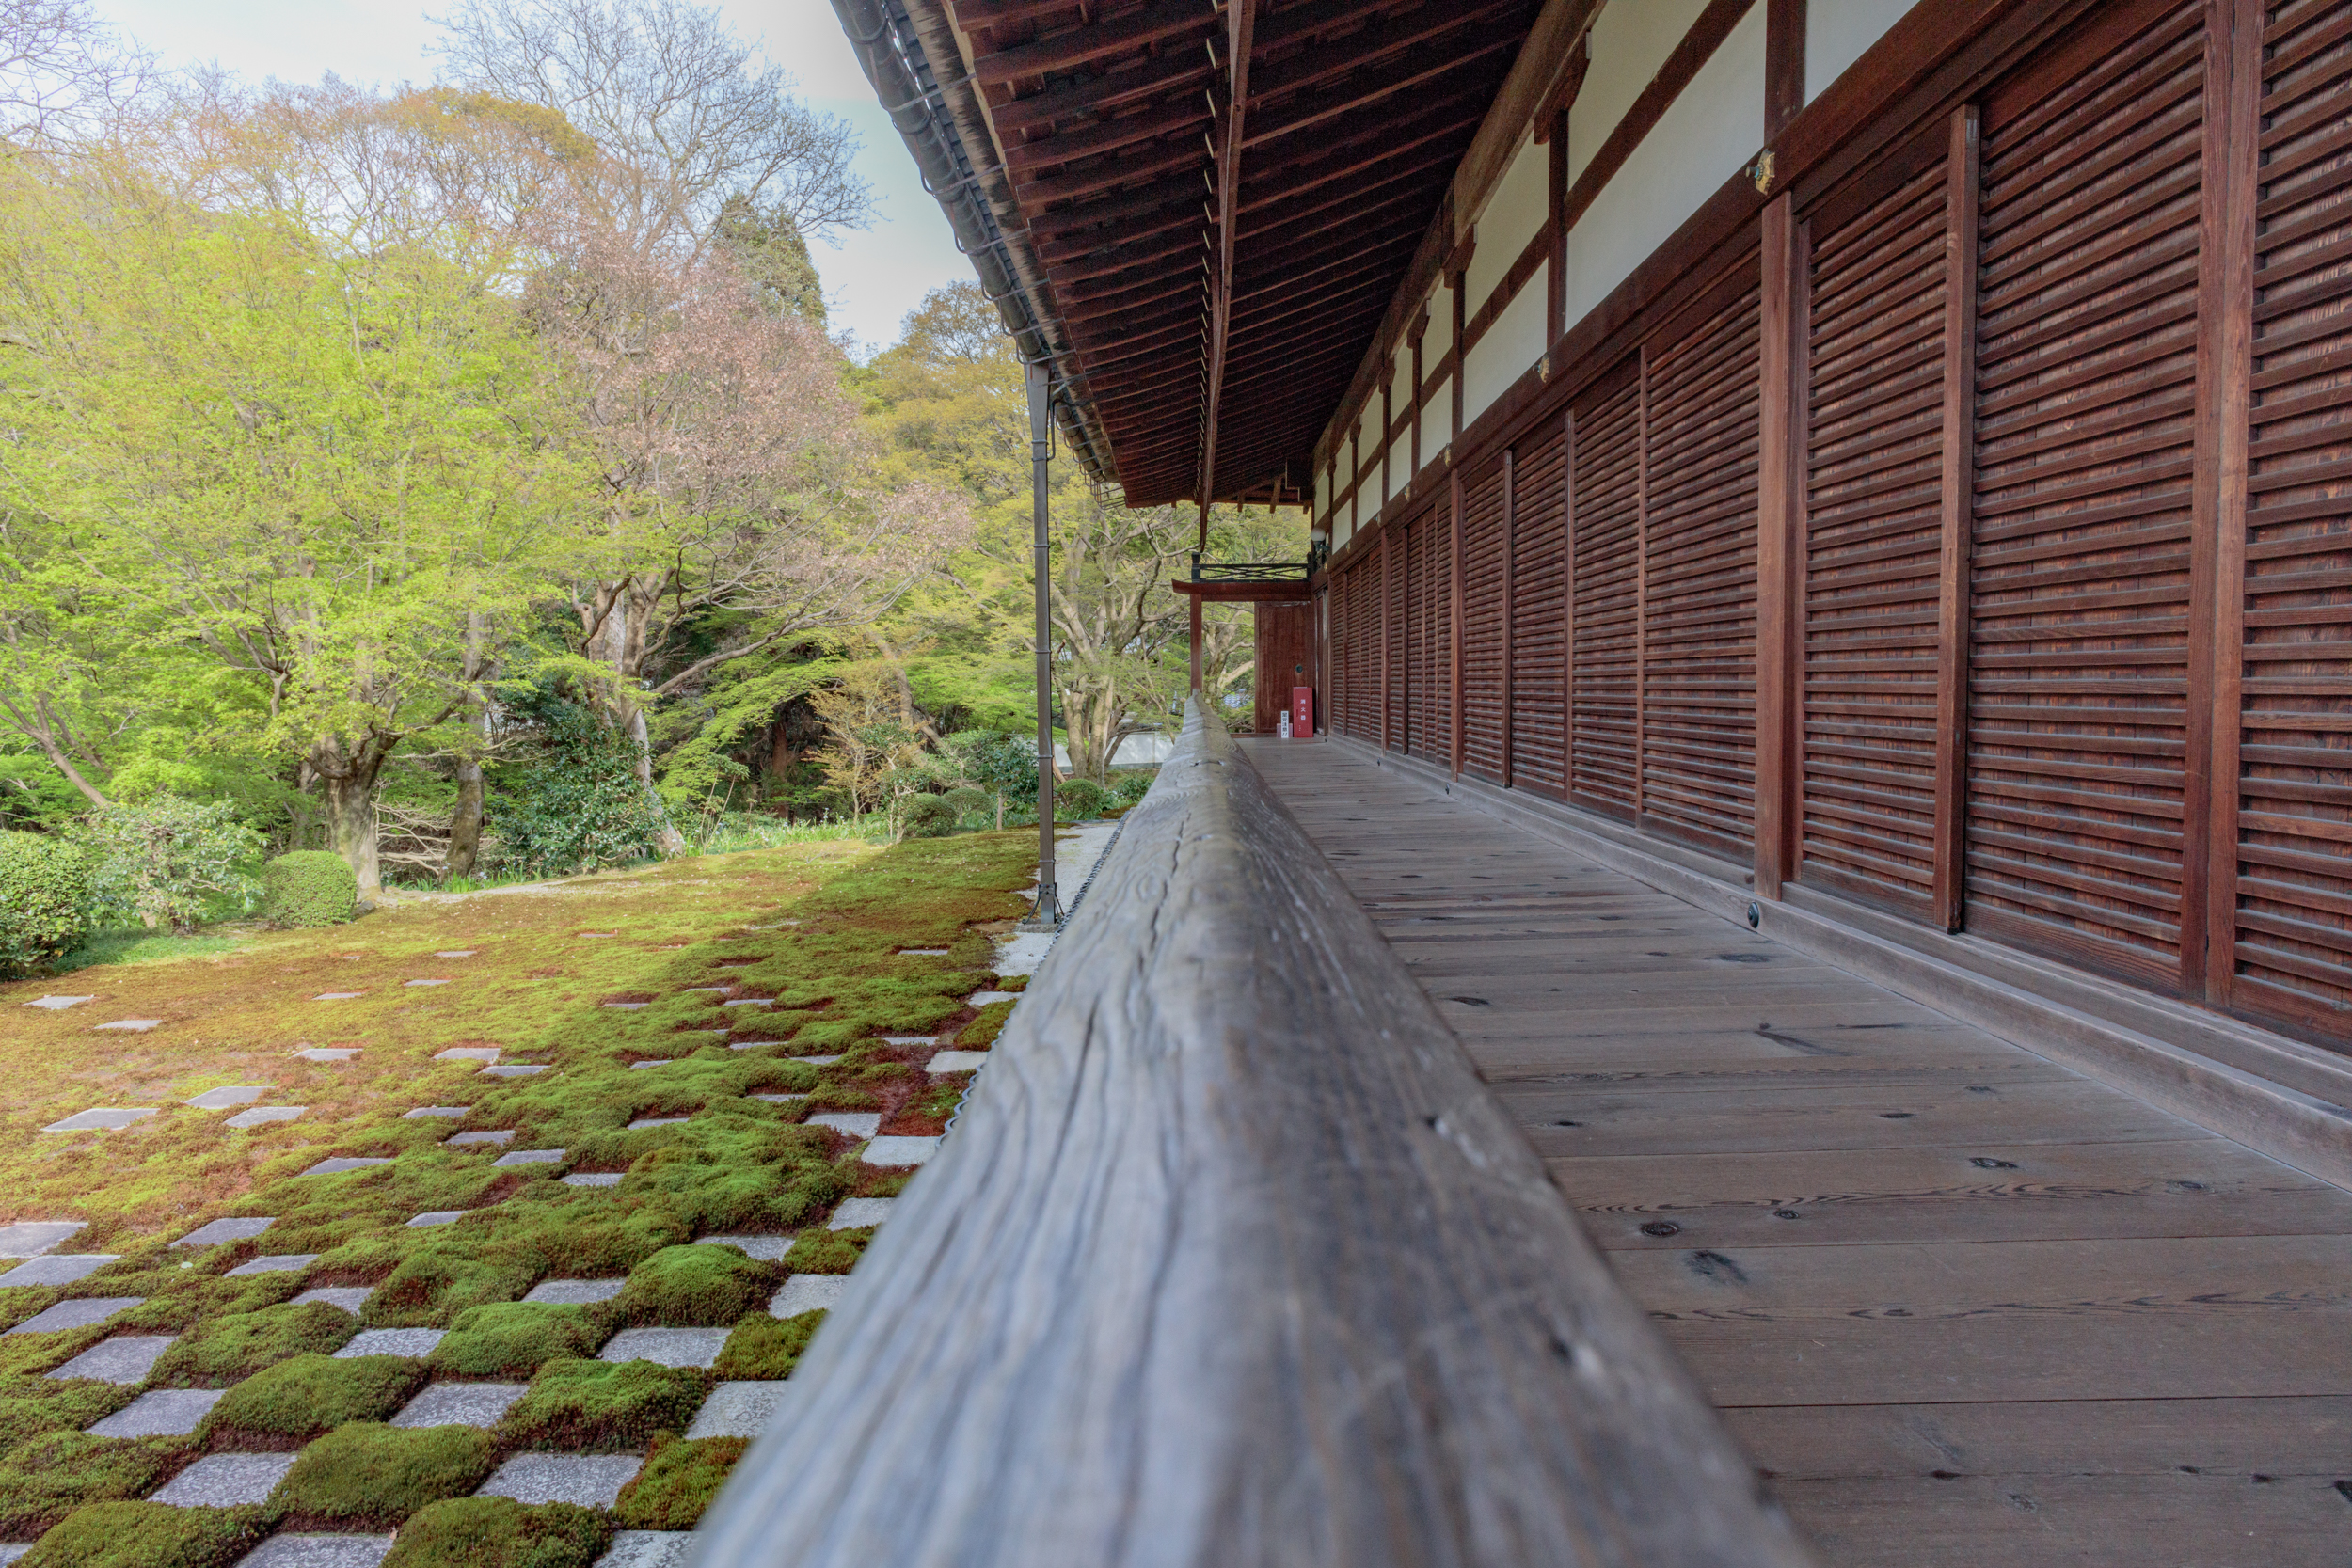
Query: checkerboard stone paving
[[276, 1263], [450, 1111], [424, 982], [343, 1298], [105, 1118], [58, 1003], [471, 1405], [225, 1230], [160, 1413], [855, 1124], [468, 1054], [500, 1135], [762, 1249], [736, 1410], [575, 1292], [457, 953], [432, 1218], [641, 1123], [667, 1347], [327, 1052], [593, 1179], [124, 1358], [80, 1312], [808, 1293], [58, 1268], [895, 1153], [132, 1025], [339, 996], [318, 1551], [514, 1069], [587, 1480], [531, 1157], [340, 1162], [263, 1116], [647, 1549], [391, 1341], [856, 1212], [957, 1061], [226, 1480]]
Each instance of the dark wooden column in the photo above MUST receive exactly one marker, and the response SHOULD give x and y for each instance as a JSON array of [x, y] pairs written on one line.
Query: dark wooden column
[[1780, 525], [1783, 63], [1945, 890]]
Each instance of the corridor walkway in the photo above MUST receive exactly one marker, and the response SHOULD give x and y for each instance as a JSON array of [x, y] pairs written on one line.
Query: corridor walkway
[[1961, 1305]]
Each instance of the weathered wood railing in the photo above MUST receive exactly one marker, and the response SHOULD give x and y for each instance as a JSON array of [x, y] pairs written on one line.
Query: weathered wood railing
[[1232, 1261]]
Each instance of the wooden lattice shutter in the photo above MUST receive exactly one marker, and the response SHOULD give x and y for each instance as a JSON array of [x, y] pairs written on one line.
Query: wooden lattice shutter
[[1365, 626], [1437, 567], [2079, 590], [2294, 892], [1483, 611], [1605, 508], [1698, 616], [1874, 537], [1337, 649], [1392, 608], [1415, 539], [1539, 609]]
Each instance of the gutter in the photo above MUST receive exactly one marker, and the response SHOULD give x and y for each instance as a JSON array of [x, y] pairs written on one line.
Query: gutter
[[908, 51]]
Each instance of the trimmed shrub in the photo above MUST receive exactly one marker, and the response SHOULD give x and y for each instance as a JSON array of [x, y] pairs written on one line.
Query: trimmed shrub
[[1077, 800], [925, 816], [763, 1349], [283, 1407], [693, 1287], [229, 1349], [964, 800], [160, 861], [366, 1475], [499, 1532], [677, 1483], [308, 887], [603, 1406], [45, 891], [43, 1481], [514, 1339], [148, 1535], [1131, 787]]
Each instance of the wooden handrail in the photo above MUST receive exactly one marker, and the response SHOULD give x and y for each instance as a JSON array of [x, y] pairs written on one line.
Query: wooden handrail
[[1231, 1259]]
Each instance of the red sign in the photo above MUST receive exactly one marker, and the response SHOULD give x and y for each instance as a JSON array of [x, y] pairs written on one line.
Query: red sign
[[1302, 712]]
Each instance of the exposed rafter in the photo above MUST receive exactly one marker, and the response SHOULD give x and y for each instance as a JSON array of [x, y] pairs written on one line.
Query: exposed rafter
[[1241, 26]]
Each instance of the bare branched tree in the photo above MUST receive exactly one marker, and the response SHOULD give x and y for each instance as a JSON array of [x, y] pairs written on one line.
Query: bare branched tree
[[676, 102], [65, 75]]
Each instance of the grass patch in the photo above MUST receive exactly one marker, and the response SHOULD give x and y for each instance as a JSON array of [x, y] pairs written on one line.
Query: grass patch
[[227, 1350], [150, 947], [43, 1481], [603, 1406], [677, 1483], [364, 1475], [148, 1535], [516, 1338], [282, 1408], [693, 1287], [762, 1349], [498, 1532]]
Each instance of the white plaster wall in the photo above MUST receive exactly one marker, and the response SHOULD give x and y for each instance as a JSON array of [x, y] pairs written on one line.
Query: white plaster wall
[[1707, 135], [1836, 32], [1631, 39], [1323, 492], [1436, 420], [1513, 215], [1400, 400], [1515, 341]]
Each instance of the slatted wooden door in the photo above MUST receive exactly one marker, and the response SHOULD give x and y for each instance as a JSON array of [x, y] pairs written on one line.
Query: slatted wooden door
[[2079, 590], [1412, 540], [1432, 551], [2290, 910], [1337, 650], [1697, 718], [1393, 565], [1539, 609], [1483, 607], [1874, 534], [1605, 567]]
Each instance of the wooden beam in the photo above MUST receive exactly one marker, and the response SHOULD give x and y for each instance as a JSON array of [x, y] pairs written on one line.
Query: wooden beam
[[1780, 543], [1948, 891], [1784, 63], [1164, 21], [1362, 90], [1108, 134], [1406, 51], [1241, 22]]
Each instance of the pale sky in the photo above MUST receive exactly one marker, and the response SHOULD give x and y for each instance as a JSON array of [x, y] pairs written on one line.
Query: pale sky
[[872, 279]]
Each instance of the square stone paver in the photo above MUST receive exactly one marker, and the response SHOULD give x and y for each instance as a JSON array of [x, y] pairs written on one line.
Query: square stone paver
[[808, 1293], [11, 1551], [856, 1124], [31, 1237], [575, 1292], [424, 982], [80, 1312], [746, 1045], [715, 991], [531, 1157], [341, 1163], [262, 1115], [736, 1410], [781, 1099], [501, 1135], [669, 1347], [987, 998], [339, 996], [593, 1179], [898, 1152], [514, 1069], [107, 1119], [816, 1061], [641, 1123], [460, 1405], [227, 1481], [160, 1413], [227, 1097], [766, 1249], [451, 1111], [327, 1052], [922, 952], [855, 1213], [432, 1218], [457, 953], [132, 1025], [276, 1263], [909, 1039], [58, 1268], [391, 1341], [225, 1230], [468, 1054], [590, 1480], [597, 934], [320, 1551], [653, 1061], [957, 1061], [343, 1298], [628, 1007], [647, 1549], [748, 1001], [124, 1358], [58, 1003]]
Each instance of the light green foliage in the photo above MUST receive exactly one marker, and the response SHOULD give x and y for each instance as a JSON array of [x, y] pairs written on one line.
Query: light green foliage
[[1132, 786], [148, 1535], [677, 1483], [364, 1475], [498, 1532], [308, 887], [45, 891], [165, 861]]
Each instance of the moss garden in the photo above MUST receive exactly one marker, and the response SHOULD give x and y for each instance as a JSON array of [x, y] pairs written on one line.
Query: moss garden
[[496, 1350]]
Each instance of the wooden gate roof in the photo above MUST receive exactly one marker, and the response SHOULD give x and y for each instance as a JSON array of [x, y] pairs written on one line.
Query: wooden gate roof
[[1114, 127]]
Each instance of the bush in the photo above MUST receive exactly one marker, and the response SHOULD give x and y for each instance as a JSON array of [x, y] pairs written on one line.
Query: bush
[[499, 1532], [308, 887], [579, 805], [366, 1475], [162, 862], [1076, 800], [925, 816], [286, 1406], [45, 893], [964, 800], [1004, 761], [148, 1535], [693, 1287], [603, 1406], [677, 1483], [1131, 787]]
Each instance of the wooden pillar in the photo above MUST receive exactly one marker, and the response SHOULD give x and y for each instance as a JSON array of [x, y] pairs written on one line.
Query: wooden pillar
[[2225, 365], [1420, 325], [1457, 277], [1946, 891], [1780, 545], [1784, 63], [1556, 228], [1387, 422]]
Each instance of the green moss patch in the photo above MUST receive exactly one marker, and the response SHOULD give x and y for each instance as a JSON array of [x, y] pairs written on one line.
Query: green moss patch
[[227, 1350], [677, 1483], [693, 1287], [43, 1481], [148, 1535], [285, 1406], [819, 1250], [603, 1406], [982, 1032], [498, 1532], [32, 1405], [516, 1338], [762, 1349], [368, 1476]]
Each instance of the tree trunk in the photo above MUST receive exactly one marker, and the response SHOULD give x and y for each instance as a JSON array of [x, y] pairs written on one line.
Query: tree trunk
[[351, 825], [465, 823]]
